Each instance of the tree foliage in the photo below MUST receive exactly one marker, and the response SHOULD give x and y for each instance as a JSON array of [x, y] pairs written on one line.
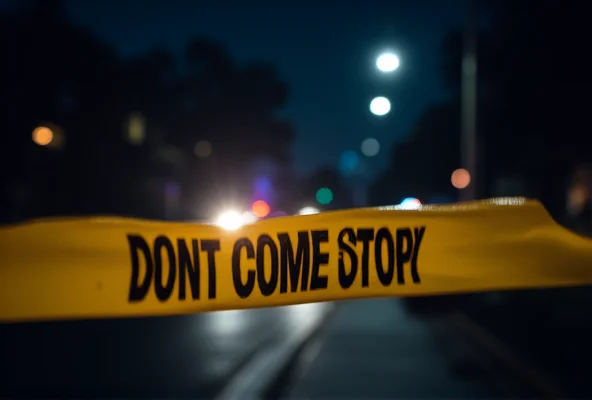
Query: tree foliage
[[54, 72]]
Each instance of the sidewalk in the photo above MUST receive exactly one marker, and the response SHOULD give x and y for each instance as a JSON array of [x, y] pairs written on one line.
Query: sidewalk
[[373, 349], [550, 328]]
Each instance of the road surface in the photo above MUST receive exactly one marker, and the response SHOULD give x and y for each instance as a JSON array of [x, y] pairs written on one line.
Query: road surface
[[371, 349], [182, 357], [374, 349]]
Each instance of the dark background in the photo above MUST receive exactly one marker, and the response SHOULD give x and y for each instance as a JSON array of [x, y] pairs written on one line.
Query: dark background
[[280, 92]]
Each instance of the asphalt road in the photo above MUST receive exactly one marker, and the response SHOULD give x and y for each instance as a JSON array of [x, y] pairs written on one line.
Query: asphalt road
[[191, 356], [371, 349]]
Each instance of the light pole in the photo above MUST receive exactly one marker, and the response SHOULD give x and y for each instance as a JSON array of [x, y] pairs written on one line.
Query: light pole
[[469, 103]]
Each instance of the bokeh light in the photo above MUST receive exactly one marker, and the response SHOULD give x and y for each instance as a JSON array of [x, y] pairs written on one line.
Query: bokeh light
[[203, 149], [410, 203], [387, 62], [278, 213], [370, 147], [262, 185], [230, 220], [460, 178], [136, 129], [42, 135], [324, 196], [348, 161], [380, 106], [308, 211], [260, 208], [248, 217]]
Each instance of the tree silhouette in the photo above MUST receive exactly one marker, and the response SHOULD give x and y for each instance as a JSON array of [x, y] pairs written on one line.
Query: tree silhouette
[[132, 129]]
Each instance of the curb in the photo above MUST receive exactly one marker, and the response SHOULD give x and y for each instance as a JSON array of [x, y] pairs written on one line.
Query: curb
[[262, 376], [295, 367]]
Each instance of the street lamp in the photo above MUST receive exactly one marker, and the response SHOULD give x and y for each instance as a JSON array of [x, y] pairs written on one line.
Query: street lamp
[[380, 106], [387, 62]]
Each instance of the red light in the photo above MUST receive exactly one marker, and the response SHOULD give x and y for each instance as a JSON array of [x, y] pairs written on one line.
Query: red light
[[460, 178], [260, 208]]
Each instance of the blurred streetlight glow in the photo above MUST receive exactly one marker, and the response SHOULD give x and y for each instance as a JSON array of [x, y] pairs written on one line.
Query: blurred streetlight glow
[[370, 147], [230, 220], [387, 62], [136, 129], [410, 203], [324, 195], [460, 178], [203, 149], [260, 208], [380, 106], [42, 135], [249, 217], [308, 211]]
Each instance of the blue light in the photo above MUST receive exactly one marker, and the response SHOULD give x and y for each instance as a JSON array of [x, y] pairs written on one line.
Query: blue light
[[348, 161], [410, 203], [262, 185]]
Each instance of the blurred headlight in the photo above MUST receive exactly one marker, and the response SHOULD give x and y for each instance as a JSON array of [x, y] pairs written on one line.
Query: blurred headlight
[[230, 220], [308, 211]]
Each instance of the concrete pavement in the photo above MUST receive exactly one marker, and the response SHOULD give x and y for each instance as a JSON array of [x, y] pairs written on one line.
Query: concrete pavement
[[374, 350]]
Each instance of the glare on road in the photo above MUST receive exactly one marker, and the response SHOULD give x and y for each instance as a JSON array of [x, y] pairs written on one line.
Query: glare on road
[[387, 62], [380, 106]]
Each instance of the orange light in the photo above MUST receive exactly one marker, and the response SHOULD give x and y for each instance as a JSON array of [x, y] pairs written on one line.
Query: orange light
[[260, 208], [42, 135], [460, 178]]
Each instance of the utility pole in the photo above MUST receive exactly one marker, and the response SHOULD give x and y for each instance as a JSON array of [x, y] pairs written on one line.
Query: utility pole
[[469, 102]]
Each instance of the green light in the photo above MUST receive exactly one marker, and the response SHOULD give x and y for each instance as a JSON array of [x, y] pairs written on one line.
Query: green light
[[324, 196]]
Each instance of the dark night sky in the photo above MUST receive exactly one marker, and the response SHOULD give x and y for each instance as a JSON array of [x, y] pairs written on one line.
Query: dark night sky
[[324, 50]]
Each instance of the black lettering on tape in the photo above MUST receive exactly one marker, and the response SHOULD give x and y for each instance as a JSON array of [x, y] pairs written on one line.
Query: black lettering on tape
[[137, 245], [346, 279], [188, 264], [404, 249], [243, 290], [365, 235], [401, 248], [294, 267], [163, 291], [418, 237], [211, 246], [267, 287], [385, 277], [319, 259]]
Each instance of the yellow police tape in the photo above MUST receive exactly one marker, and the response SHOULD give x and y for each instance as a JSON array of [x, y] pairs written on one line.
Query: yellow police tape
[[117, 267]]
